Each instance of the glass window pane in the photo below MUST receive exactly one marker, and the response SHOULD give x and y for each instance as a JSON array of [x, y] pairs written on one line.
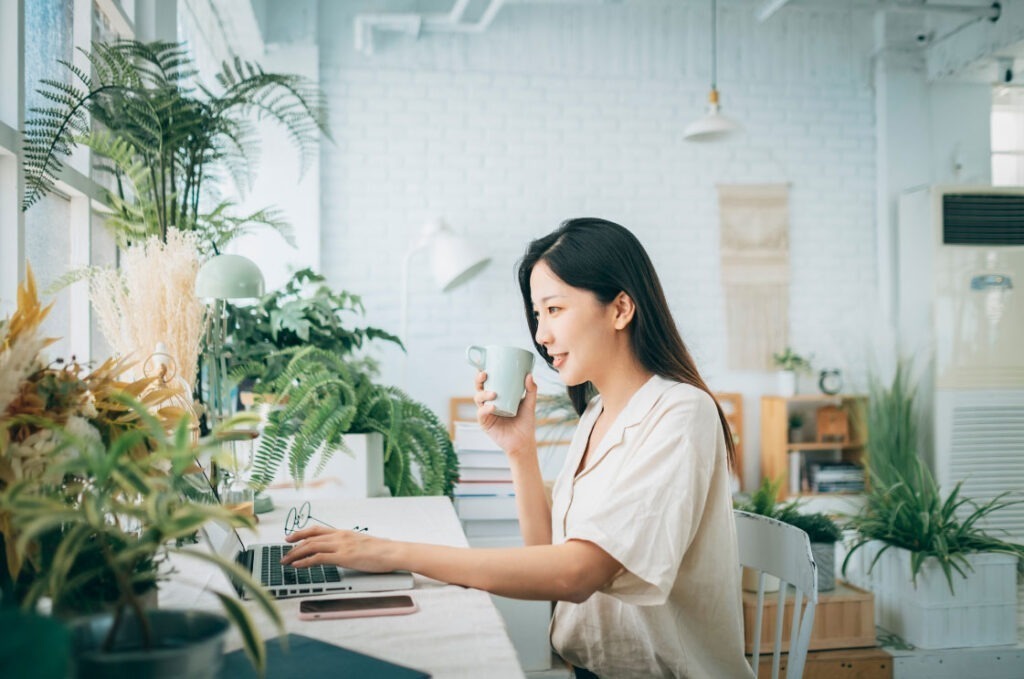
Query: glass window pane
[[1007, 129], [48, 37], [48, 250], [1007, 169], [101, 29], [102, 252]]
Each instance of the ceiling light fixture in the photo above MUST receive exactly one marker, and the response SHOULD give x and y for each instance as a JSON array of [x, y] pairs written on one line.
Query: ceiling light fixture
[[713, 125]]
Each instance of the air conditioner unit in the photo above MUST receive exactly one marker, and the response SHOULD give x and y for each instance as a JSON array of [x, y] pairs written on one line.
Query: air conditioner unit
[[960, 299]]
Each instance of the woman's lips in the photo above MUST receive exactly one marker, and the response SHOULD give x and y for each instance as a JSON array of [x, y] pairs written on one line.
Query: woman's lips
[[557, 360]]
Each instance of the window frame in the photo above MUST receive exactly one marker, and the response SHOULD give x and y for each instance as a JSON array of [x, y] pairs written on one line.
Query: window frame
[[1006, 100], [74, 182]]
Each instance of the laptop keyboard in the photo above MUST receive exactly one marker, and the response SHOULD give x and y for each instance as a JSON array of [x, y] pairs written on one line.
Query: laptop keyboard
[[275, 574]]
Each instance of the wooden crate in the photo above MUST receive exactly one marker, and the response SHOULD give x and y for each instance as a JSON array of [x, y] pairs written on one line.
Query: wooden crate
[[843, 618], [847, 663]]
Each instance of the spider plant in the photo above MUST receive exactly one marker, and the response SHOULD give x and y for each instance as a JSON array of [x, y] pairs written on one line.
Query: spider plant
[[163, 138], [904, 506]]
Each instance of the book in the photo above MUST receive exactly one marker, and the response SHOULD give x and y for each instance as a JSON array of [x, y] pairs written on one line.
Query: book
[[483, 460], [484, 474], [471, 436], [486, 507], [491, 529], [470, 488], [301, 657]]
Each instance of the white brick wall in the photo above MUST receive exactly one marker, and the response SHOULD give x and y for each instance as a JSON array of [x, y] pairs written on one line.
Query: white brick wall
[[563, 110]]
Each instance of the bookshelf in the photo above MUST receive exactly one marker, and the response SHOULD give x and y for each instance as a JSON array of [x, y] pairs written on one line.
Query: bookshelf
[[840, 420]]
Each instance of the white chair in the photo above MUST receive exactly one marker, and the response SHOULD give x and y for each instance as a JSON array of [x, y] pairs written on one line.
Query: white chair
[[779, 549]]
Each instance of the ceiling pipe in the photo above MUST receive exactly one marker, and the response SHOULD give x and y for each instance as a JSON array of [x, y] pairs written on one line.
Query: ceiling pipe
[[991, 12], [450, 22]]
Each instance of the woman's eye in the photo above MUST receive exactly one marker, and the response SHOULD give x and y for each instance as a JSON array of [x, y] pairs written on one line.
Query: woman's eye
[[552, 309]]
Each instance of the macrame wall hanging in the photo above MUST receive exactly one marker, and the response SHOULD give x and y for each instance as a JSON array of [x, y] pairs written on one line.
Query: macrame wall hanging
[[754, 228]]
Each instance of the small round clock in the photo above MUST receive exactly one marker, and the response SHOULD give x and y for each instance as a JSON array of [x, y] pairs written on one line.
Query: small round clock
[[830, 381]]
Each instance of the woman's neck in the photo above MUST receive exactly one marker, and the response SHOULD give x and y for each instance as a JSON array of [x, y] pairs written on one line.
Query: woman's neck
[[618, 386]]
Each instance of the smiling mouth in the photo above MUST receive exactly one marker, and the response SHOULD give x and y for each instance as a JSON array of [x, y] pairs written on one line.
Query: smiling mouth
[[557, 360]]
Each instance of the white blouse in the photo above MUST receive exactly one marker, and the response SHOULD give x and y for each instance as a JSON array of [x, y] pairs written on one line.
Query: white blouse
[[655, 495]]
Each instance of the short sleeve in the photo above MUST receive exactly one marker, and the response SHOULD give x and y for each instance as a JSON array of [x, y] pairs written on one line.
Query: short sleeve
[[654, 496]]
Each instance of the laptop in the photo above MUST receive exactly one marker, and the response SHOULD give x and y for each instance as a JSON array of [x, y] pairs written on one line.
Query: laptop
[[263, 561]]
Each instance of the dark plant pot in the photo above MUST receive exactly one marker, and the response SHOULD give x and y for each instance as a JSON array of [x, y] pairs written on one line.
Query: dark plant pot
[[71, 612], [185, 644], [825, 558]]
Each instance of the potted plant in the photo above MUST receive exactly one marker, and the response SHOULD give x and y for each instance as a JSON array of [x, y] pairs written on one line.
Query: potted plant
[[163, 141], [300, 354], [790, 364], [304, 312], [90, 502], [796, 423], [163, 138], [823, 533], [924, 554]]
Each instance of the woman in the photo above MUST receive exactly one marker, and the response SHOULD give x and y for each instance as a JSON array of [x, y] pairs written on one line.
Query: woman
[[638, 546]]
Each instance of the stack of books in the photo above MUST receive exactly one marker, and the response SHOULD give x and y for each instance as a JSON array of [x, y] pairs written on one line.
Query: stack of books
[[484, 495], [837, 477]]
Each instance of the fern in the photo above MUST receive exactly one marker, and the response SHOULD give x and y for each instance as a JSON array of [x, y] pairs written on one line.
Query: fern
[[320, 399], [163, 137]]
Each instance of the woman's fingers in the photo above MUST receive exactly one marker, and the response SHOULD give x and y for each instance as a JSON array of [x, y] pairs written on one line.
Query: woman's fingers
[[312, 531], [530, 400], [312, 545], [483, 397], [481, 377], [316, 559]]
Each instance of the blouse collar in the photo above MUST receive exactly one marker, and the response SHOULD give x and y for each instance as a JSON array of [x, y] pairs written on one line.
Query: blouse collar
[[639, 405]]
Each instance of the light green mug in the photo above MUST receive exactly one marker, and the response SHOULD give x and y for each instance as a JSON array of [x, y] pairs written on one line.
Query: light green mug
[[506, 368]]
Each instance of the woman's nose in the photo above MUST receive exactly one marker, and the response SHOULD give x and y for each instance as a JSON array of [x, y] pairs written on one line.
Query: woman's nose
[[542, 335]]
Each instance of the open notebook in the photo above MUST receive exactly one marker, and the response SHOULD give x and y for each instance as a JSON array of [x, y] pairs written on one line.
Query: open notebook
[[263, 561]]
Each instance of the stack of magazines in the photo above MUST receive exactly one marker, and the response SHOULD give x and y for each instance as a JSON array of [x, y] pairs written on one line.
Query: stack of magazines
[[837, 477]]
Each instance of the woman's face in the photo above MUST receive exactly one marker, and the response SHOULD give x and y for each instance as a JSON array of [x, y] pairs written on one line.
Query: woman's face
[[573, 325]]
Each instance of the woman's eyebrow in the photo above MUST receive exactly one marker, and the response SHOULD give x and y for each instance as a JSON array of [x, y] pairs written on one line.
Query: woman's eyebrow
[[545, 299]]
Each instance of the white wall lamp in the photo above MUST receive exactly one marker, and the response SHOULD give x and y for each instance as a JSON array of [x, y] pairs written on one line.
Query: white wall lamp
[[713, 125], [220, 278], [453, 260]]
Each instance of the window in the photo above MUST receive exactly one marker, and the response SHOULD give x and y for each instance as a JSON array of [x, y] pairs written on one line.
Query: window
[[1008, 137], [61, 232]]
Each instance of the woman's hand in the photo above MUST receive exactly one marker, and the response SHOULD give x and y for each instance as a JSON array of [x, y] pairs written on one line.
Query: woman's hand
[[515, 435], [351, 549]]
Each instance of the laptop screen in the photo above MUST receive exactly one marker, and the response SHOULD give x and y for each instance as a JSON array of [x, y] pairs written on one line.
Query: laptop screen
[[224, 540]]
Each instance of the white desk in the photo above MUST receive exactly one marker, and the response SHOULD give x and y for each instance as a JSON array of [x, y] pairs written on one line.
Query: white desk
[[456, 633]]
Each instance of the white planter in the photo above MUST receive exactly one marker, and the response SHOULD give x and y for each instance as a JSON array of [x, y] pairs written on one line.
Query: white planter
[[982, 611], [786, 383], [825, 559]]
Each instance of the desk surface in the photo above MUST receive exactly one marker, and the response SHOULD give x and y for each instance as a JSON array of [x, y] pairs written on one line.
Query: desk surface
[[456, 633]]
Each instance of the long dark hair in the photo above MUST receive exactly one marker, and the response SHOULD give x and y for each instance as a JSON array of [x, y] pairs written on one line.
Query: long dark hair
[[606, 259]]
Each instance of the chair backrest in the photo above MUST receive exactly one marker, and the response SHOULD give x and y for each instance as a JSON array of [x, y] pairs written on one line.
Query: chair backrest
[[775, 548]]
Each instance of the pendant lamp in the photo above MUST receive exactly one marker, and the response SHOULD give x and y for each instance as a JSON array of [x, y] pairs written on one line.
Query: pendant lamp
[[713, 125]]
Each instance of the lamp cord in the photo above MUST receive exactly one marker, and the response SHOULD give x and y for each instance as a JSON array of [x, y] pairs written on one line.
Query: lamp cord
[[714, 44]]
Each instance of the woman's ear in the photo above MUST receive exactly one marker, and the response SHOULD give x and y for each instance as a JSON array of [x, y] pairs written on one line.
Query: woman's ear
[[624, 310]]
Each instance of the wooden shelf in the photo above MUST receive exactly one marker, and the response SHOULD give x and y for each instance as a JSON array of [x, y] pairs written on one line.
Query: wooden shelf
[[776, 446], [824, 446], [843, 618], [817, 398]]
